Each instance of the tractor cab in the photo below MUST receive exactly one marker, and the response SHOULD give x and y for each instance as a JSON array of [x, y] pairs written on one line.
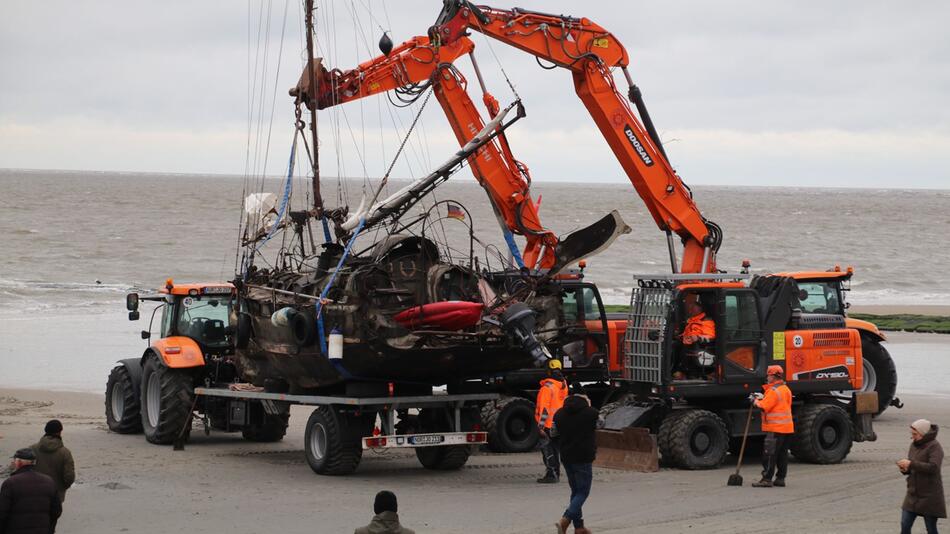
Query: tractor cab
[[198, 312], [823, 291]]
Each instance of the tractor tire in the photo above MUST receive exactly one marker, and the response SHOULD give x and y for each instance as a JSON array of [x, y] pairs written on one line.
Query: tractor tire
[[879, 375], [167, 398], [698, 439], [333, 440], [823, 434], [510, 425], [122, 404], [271, 430]]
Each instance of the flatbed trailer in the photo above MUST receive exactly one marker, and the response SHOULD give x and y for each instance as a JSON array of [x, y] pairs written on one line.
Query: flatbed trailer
[[340, 428]]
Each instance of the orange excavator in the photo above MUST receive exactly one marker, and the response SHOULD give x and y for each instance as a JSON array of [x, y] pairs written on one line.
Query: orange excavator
[[684, 396], [414, 66]]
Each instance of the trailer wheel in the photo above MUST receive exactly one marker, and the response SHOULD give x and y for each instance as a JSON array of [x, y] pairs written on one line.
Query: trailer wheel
[[698, 439], [823, 434], [272, 429], [443, 457], [879, 374], [167, 398], [333, 440], [510, 425], [122, 405]]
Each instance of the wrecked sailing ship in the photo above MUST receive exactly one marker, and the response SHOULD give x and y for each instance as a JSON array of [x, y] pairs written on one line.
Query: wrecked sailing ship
[[330, 317]]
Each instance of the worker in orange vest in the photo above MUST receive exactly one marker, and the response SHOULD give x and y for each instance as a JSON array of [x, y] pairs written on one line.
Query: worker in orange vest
[[777, 424], [551, 397], [698, 331], [699, 328]]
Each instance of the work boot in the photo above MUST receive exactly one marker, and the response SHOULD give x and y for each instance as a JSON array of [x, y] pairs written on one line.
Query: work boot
[[764, 483], [582, 530], [548, 478], [562, 525], [780, 482]]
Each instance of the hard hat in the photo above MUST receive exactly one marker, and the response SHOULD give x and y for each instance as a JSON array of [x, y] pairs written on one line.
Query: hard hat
[[554, 364], [775, 370]]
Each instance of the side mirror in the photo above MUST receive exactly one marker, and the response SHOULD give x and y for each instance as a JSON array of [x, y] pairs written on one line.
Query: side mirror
[[146, 334], [132, 302], [847, 305], [133, 316]]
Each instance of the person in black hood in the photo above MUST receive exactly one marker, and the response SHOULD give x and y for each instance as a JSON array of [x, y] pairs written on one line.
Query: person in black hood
[[54, 459], [574, 427]]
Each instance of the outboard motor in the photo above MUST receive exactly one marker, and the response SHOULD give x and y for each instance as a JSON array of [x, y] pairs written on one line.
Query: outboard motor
[[519, 322]]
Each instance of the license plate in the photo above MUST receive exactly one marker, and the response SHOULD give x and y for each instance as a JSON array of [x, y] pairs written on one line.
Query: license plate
[[426, 440]]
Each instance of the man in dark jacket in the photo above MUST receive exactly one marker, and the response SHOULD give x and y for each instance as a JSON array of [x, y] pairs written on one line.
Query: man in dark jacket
[[574, 426], [386, 521], [924, 485], [28, 500], [54, 459]]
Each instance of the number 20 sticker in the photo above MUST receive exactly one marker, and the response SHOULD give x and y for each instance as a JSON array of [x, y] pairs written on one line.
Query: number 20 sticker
[[798, 341]]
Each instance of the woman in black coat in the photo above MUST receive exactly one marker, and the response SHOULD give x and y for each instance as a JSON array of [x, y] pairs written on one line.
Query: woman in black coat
[[924, 485]]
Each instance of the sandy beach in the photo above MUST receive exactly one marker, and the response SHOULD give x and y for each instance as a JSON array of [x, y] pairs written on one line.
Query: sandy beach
[[222, 483]]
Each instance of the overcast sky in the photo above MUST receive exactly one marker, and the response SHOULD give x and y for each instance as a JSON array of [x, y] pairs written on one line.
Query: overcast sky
[[847, 93]]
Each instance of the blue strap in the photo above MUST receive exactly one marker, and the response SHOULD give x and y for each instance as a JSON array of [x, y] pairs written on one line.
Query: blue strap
[[513, 248], [326, 288]]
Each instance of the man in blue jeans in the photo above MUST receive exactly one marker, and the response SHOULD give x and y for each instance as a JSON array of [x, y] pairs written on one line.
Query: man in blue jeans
[[574, 427]]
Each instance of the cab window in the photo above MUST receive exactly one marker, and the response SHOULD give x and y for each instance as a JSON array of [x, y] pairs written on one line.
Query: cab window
[[570, 305], [168, 315], [818, 297], [204, 319], [742, 319]]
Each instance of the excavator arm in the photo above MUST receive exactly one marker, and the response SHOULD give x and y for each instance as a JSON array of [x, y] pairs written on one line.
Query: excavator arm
[[413, 65], [590, 52]]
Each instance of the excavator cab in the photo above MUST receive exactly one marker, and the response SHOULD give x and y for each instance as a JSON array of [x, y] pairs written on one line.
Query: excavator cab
[[583, 343]]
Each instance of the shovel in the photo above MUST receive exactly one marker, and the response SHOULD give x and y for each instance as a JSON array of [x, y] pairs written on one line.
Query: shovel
[[735, 479]]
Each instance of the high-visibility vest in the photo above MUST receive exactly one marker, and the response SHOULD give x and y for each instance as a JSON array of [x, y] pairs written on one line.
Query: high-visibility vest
[[699, 326], [776, 408], [550, 399]]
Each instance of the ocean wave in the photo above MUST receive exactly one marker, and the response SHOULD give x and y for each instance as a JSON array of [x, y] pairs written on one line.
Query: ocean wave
[[45, 286]]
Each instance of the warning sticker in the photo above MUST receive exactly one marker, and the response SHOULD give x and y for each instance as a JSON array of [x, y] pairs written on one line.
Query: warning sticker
[[778, 345]]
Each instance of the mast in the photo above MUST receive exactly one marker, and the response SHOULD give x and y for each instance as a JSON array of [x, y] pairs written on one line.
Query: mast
[[317, 199]]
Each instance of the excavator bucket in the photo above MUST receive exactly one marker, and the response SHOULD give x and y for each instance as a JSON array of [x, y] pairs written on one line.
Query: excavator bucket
[[630, 449], [588, 241]]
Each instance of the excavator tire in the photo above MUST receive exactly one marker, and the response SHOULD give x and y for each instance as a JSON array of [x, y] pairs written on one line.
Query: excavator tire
[[698, 439], [823, 434], [271, 430], [510, 425], [333, 440], [122, 404], [663, 437], [167, 398]]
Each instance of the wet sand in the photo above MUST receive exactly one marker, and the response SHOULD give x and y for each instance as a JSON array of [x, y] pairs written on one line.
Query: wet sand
[[221, 483]]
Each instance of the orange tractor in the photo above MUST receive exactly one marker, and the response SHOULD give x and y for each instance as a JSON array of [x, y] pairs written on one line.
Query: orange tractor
[[155, 393]]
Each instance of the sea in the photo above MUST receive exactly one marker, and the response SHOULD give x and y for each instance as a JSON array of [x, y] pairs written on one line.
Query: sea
[[75, 242]]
